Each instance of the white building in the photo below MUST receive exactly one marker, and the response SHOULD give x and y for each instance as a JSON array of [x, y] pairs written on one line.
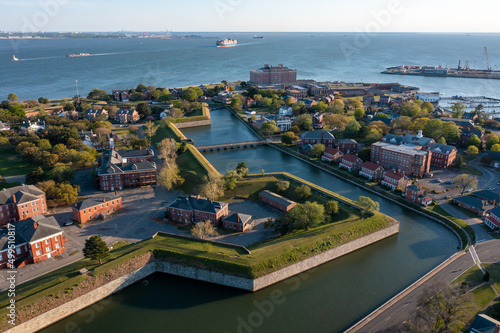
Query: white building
[[428, 97], [285, 111]]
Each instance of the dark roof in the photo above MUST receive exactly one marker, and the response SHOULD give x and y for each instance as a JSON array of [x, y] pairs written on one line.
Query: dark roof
[[23, 194], [350, 158], [487, 195], [31, 230], [386, 121], [494, 155], [414, 188], [121, 111], [318, 135], [394, 139], [393, 174], [238, 218], [348, 141], [276, 198], [495, 211], [469, 115], [88, 203], [459, 122], [418, 140], [135, 152], [191, 202], [484, 324], [442, 149], [332, 151], [371, 166], [471, 201]]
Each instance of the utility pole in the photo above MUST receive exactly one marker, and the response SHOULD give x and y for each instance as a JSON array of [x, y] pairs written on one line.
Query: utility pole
[[487, 60], [77, 94]]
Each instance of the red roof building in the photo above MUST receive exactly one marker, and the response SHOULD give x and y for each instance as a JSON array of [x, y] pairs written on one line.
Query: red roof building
[[332, 155], [92, 209], [351, 162], [417, 195], [493, 221], [371, 171], [395, 180], [20, 203]]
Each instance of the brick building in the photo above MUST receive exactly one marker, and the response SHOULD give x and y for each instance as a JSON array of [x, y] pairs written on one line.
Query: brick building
[[126, 168], [273, 75], [314, 137], [92, 114], [126, 116], [371, 171], [121, 95], [350, 162], [442, 156], [192, 209], [348, 146], [36, 239], [406, 158], [276, 201], [417, 195], [332, 155], [395, 180], [21, 202], [493, 221], [94, 208], [474, 204], [238, 222]]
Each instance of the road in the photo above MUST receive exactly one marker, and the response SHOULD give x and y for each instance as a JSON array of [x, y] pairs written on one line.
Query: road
[[404, 307], [475, 223], [490, 176]]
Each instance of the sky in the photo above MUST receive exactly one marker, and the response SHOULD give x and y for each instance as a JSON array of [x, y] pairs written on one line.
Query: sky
[[251, 15]]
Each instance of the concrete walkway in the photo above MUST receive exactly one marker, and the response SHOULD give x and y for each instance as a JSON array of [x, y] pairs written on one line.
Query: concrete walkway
[[475, 223]]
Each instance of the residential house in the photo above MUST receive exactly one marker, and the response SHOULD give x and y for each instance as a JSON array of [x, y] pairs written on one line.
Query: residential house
[[126, 116], [384, 100], [470, 116], [494, 156], [92, 114], [20, 203], [395, 180], [193, 209], [317, 120], [91, 209], [276, 201], [238, 222], [417, 195], [4, 126], [126, 168], [224, 97], [350, 162], [493, 221], [348, 146], [371, 171], [283, 123], [473, 204], [467, 133], [32, 127], [489, 196], [368, 99], [313, 137], [164, 114], [332, 155], [36, 239], [121, 95], [286, 111]]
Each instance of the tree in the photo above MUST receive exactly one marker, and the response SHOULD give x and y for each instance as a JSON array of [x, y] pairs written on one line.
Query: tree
[[97, 94], [151, 129], [458, 110], [367, 205], [230, 179], [442, 140], [339, 121], [212, 187], [410, 109], [318, 149], [451, 132], [12, 97], [428, 107], [170, 175], [35, 176], [401, 123], [472, 150], [96, 248], [269, 127], [203, 230], [338, 106], [459, 161], [44, 144], [65, 194], [68, 106], [303, 191], [43, 100], [365, 154], [143, 109], [495, 147], [332, 207], [359, 113], [282, 185], [465, 181], [491, 140], [241, 170], [168, 149], [302, 216], [61, 173], [352, 129], [289, 138], [305, 121], [444, 309], [486, 160], [474, 141]]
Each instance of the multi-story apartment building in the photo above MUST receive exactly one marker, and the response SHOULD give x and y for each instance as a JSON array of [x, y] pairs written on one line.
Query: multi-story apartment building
[[126, 168], [417, 195], [37, 238], [371, 171], [94, 208], [20, 203], [395, 180], [92, 114], [351, 162], [406, 158], [126, 116], [313, 137], [348, 146], [273, 75]]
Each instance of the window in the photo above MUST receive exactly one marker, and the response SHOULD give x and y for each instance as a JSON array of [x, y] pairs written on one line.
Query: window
[[58, 245], [48, 249], [46, 241], [38, 252], [57, 238], [37, 245]]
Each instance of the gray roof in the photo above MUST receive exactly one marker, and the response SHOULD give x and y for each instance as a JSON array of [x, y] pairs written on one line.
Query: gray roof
[[4, 126], [88, 203], [487, 195], [191, 202], [111, 168], [347, 141], [276, 198], [442, 149], [394, 139], [416, 140], [494, 155], [31, 230], [471, 201], [238, 218], [318, 135], [484, 324], [23, 194], [459, 122], [121, 111]]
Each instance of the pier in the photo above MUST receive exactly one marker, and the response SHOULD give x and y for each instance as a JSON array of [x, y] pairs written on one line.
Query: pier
[[226, 146]]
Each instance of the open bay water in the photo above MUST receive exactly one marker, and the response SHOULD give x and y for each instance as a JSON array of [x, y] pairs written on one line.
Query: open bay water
[[44, 69], [329, 298]]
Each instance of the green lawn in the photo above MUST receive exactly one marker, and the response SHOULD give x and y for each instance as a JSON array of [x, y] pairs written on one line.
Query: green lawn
[[468, 168], [483, 296], [473, 277], [12, 164], [494, 270], [460, 222], [191, 171]]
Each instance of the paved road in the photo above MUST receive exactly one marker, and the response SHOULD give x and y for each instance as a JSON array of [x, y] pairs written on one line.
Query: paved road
[[490, 178], [475, 223], [400, 311]]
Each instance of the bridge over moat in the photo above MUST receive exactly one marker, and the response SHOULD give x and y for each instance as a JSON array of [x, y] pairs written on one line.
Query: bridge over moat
[[236, 145]]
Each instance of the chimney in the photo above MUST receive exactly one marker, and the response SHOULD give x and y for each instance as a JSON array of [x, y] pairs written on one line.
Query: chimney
[[198, 197], [103, 199], [14, 198], [116, 192], [35, 225]]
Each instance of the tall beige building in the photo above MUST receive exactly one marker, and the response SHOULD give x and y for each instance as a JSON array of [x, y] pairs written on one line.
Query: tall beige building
[[273, 75]]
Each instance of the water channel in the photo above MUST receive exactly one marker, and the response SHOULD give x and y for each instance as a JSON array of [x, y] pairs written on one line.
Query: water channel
[[327, 299]]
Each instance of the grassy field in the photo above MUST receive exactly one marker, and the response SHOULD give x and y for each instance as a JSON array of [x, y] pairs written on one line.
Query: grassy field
[[191, 171], [11, 164], [468, 168]]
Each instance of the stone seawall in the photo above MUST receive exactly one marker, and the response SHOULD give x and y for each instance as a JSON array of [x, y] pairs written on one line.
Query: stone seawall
[[198, 123], [52, 316]]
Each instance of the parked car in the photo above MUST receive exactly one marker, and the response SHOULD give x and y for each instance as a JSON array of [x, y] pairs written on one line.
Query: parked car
[[491, 188], [68, 223], [448, 197], [438, 180]]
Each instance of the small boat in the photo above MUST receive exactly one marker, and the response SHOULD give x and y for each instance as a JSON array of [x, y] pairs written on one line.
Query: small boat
[[14, 58], [258, 37], [78, 55], [227, 43]]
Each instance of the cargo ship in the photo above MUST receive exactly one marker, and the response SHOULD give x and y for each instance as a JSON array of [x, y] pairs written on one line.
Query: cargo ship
[[258, 37], [78, 55], [227, 43], [439, 71]]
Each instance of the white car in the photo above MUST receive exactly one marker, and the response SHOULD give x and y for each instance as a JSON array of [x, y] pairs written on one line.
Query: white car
[[68, 223], [492, 188]]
